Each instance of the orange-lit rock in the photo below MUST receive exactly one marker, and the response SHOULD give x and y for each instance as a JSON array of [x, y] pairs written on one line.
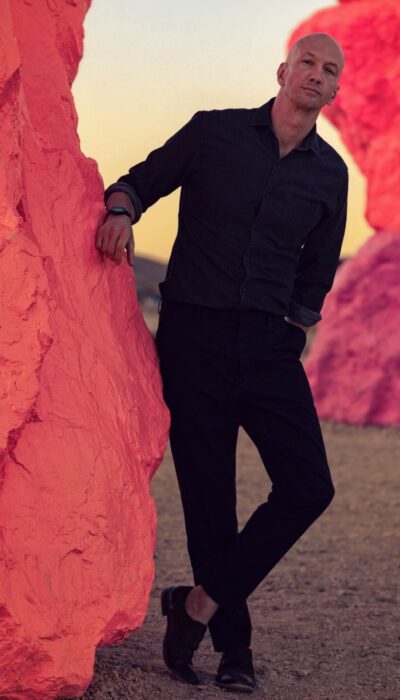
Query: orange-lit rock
[[82, 423], [354, 366]]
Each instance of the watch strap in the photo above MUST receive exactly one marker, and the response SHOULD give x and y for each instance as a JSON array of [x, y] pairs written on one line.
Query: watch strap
[[121, 186], [119, 211]]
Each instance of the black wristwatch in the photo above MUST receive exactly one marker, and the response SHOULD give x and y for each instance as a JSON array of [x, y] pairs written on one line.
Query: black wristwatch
[[119, 211]]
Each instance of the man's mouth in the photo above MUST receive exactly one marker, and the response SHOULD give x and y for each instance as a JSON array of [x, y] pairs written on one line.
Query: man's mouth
[[312, 90]]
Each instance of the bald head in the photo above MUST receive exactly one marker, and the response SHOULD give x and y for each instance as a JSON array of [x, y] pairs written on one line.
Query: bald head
[[316, 43], [309, 78]]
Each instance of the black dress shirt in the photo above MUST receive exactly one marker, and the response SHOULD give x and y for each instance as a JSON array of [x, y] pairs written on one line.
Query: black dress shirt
[[255, 230]]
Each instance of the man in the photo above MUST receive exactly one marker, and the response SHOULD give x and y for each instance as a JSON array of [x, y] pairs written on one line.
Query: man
[[261, 223]]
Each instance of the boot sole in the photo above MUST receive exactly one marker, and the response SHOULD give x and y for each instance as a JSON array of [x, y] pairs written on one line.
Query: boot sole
[[236, 687]]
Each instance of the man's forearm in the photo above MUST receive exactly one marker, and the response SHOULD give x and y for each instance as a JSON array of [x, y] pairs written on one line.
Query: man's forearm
[[121, 199]]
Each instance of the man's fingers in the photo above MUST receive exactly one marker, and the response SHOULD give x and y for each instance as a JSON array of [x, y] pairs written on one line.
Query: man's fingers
[[107, 237], [103, 237], [120, 249], [112, 243], [112, 238], [99, 238], [130, 247]]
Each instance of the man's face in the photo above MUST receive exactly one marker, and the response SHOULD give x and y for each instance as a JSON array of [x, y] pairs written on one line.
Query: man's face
[[310, 76]]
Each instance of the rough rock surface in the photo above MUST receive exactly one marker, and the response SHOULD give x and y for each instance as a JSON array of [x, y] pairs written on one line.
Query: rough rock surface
[[82, 421], [354, 365], [355, 362]]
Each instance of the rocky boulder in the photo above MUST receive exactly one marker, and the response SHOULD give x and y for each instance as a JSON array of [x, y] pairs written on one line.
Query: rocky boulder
[[82, 424]]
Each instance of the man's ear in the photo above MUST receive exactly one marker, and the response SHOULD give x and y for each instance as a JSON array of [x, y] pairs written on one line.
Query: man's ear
[[280, 74], [333, 95]]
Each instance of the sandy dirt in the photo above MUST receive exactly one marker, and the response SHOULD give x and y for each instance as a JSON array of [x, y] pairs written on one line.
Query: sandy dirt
[[326, 619]]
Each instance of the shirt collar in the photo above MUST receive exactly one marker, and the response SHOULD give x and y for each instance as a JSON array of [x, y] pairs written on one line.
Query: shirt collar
[[262, 117]]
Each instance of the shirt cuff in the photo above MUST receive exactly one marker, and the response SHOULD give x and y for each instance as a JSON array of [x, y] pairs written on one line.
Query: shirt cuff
[[302, 315], [133, 196]]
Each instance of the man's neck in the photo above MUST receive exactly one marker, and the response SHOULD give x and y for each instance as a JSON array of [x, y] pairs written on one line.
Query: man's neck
[[290, 124]]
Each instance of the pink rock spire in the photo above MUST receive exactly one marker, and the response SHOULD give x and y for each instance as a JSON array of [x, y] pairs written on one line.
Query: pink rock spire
[[82, 423], [354, 365]]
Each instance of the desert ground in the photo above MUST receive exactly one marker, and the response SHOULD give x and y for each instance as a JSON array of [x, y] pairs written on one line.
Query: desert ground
[[326, 619]]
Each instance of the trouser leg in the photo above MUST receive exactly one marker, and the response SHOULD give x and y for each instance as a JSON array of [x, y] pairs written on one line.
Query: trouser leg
[[278, 413], [202, 399]]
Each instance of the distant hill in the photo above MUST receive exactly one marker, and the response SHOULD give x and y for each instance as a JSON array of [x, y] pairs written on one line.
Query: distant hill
[[148, 275]]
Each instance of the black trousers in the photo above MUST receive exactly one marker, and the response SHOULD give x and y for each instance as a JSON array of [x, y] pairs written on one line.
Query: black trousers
[[222, 369]]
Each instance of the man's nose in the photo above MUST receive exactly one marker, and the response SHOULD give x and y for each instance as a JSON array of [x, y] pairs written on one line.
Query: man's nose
[[316, 74]]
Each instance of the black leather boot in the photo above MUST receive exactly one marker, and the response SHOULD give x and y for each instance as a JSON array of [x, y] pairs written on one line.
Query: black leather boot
[[183, 634], [236, 671]]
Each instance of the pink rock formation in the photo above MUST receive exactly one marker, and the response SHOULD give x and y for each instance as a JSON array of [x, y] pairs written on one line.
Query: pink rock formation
[[354, 366], [82, 424]]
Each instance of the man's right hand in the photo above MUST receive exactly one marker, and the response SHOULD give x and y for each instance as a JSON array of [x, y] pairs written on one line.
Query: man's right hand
[[114, 236]]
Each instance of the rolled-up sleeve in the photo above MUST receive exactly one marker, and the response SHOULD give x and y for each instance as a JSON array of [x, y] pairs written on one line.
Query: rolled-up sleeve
[[164, 169], [318, 263]]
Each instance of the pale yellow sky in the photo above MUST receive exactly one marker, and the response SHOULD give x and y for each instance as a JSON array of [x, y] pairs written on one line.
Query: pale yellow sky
[[148, 67]]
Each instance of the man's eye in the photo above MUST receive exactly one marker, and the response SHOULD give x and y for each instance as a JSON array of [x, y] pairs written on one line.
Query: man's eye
[[306, 60], [329, 70]]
